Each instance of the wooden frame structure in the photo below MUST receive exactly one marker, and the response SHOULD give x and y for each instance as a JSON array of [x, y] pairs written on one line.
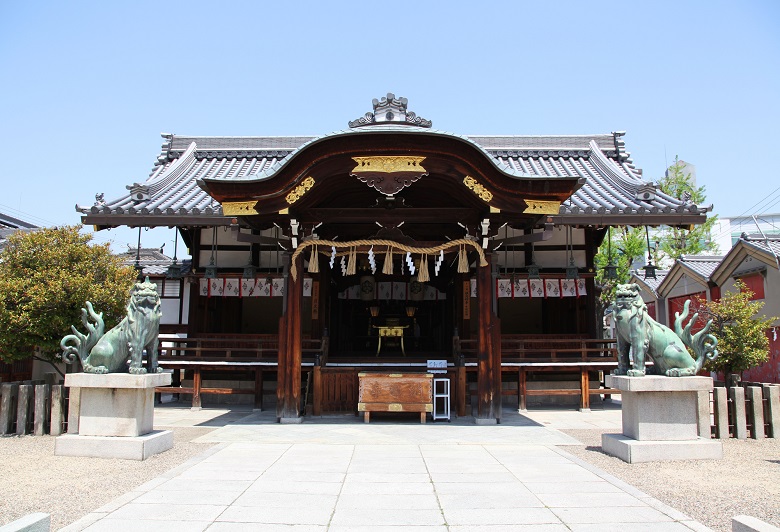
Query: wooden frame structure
[[453, 231]]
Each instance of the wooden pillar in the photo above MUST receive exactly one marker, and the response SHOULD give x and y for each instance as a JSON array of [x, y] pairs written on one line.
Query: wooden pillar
[[460, 391], [498, 394], [584, 390], [196, 385], [488, 387], [317, 391], [289, 397], [592, 321], [259, 389], [522, 404], [281, 364]]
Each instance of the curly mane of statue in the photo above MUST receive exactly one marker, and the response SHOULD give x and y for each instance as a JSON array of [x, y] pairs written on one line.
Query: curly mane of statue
[[644, 337], [110, 352]]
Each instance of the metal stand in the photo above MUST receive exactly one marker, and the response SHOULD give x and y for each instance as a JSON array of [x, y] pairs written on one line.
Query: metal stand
[[441, 399]]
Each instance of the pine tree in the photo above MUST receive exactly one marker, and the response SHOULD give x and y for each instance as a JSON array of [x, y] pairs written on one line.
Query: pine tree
[[676, 241]]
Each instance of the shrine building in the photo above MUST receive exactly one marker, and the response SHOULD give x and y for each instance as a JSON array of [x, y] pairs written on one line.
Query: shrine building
[[383, 246]]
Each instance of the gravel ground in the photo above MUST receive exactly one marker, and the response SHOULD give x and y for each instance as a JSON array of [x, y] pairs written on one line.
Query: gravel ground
[[745, 481], [68, 488], [712, 492]]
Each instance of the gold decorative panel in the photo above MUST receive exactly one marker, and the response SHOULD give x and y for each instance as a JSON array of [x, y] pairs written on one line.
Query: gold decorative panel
[[483, 193], [239, 208], [542, 207], [300, 190], [388, 164]]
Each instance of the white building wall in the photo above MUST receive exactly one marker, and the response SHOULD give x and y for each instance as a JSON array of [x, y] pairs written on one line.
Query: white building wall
[[686, 285]]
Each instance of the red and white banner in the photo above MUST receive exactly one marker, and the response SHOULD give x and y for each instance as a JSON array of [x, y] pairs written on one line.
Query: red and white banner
[[234, 287]]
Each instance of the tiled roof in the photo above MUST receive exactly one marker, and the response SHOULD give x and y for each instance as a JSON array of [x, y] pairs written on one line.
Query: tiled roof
[[702, 265], [10, 225], [9, 222], [769, 245], [613, 185], [651, 284], [152, 261]]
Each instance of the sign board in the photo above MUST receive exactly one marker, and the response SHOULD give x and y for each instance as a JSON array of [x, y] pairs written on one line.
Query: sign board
[[437, 366]]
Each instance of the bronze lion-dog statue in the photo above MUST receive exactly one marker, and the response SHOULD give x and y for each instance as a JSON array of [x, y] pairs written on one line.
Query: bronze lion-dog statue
[[111, 352], [645, 338]]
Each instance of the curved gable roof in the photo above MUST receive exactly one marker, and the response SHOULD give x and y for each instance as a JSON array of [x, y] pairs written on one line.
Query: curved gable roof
[[612, 191]]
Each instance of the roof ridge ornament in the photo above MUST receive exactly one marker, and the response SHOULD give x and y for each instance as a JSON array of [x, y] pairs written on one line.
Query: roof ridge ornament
[[390, 110]]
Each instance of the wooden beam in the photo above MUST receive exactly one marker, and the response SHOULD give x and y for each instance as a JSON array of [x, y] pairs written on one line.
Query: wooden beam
[[389, 216]]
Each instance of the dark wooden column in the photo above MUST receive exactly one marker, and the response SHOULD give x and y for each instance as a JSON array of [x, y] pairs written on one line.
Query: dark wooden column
[[488, 387], [289, 374], [593, 322]]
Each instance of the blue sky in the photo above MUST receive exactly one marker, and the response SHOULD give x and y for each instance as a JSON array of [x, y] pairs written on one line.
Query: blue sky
[[88, 86]]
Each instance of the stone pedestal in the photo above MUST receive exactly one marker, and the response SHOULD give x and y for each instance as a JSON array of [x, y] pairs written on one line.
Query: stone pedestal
[[660, 420], [116, 417]]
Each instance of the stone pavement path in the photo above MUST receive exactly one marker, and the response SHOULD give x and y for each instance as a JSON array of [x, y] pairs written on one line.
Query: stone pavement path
[[340, 475]]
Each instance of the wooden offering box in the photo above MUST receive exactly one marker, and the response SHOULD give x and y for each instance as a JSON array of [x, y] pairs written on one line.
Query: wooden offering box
[[395, 392]]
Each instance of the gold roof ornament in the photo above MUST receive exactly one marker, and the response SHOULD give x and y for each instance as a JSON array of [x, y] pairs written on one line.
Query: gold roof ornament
[[239, 208], [389, 174], [300, 190], [542, 207], [483, 193]]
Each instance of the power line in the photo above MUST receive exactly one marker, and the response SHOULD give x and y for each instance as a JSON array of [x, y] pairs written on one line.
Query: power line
[[26, 216], [753, 210]]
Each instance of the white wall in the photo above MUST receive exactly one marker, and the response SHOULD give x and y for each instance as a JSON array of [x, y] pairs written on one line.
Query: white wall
[[687, 285]]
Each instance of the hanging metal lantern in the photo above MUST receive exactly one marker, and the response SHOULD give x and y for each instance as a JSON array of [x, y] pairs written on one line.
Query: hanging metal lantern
[[249, 271], [533, 271], [175, 269], [572, 272], [610, 270], [649, 271], [210, 271]]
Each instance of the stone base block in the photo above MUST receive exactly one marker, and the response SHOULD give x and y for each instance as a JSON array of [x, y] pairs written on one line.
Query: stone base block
[[290, 420], [485, 421], [636, 451], [124, 447]]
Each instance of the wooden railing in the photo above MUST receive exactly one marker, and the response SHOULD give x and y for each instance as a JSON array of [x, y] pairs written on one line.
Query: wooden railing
[[526, 355], [236, 348], [558, 348], [256, 355]]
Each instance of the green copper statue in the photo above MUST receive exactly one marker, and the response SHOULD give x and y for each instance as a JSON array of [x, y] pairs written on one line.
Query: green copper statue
[[110, 352], [644, 337]]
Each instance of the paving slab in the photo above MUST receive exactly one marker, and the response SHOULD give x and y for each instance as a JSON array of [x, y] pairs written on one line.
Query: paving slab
[[340, 475]]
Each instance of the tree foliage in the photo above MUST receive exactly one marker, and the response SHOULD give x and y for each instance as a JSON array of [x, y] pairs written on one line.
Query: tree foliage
[[622, 246], [675, 242], [741, 334], [46, 277]]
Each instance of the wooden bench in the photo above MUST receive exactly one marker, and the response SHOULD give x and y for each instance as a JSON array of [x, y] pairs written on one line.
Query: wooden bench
[[395, 392]]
